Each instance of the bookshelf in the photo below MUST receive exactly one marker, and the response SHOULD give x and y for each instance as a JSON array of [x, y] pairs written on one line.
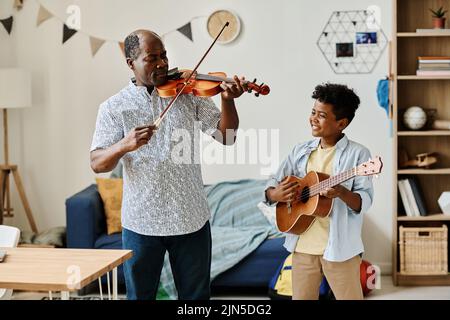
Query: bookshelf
[[428, 92]]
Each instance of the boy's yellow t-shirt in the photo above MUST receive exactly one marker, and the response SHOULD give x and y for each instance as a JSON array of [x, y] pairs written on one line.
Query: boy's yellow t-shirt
[[315, 239]]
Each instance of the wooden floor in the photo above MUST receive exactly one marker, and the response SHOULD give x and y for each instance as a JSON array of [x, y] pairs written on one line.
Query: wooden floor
[[386, 292]]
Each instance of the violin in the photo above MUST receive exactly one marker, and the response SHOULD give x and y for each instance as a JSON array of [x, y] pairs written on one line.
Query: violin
[[202, 85], [197, 85]]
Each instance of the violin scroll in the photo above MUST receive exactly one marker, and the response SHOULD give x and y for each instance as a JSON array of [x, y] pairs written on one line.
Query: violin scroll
[[259, 89]]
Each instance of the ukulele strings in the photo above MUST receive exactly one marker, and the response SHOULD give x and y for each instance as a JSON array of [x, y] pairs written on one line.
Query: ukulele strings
[[327, 183]]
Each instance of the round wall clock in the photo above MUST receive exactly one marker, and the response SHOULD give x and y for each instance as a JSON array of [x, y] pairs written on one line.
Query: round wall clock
[[217, 19]]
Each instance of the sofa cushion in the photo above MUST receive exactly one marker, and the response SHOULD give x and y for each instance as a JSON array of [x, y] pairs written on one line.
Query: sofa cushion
[[111, 193], [113, 241]]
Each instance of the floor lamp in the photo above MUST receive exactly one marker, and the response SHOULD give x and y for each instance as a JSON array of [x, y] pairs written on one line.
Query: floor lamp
[[15, 92]]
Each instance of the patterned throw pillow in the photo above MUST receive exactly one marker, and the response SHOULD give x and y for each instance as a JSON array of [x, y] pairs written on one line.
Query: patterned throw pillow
[[111, 193]]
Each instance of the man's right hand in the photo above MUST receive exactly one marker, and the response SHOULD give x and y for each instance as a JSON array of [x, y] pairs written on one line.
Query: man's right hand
[[138, 137], [284, 192]]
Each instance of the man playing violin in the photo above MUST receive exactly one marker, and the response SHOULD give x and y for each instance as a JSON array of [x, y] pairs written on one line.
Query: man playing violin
[[164, 207]]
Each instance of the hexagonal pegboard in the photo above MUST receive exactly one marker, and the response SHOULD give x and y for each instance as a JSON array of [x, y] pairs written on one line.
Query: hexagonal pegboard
[[339, 45]]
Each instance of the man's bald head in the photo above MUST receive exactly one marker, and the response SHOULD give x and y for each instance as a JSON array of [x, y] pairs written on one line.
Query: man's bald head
[[134, 39], [147, 57]]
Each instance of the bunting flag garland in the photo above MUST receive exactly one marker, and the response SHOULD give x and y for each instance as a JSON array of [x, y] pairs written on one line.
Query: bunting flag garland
[[186, 30], [43, 15], [18, 4], [7, 23], [67, 33], [95, 42], [122, 47]]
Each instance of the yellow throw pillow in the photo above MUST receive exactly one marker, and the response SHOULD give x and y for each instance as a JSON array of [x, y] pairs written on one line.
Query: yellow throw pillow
[[111, 193]]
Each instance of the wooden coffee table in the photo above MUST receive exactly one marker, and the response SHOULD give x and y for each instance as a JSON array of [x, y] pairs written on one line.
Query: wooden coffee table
[[64, 270]]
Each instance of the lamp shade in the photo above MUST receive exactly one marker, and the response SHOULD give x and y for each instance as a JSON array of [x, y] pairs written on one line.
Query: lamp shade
[[15, 88]]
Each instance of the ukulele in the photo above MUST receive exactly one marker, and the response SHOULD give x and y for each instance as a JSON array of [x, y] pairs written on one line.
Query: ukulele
[[297, 216]]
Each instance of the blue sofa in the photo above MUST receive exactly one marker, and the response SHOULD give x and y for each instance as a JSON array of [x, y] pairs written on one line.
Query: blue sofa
[[86, 228]]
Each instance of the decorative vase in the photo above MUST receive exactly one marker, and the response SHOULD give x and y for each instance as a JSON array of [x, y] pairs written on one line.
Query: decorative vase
[[439, 23]]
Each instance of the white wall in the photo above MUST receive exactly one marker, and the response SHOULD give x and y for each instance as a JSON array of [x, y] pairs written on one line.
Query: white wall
[[50, 141]]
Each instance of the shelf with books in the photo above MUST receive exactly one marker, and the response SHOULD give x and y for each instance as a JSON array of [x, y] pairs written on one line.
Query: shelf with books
[[421, 194], [428, 53]]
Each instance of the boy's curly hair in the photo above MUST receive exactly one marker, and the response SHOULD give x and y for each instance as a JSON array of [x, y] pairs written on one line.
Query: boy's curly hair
[[343, 99]]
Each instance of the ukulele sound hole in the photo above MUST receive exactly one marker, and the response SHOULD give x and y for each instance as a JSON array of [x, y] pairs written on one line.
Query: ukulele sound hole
[[304, 196]]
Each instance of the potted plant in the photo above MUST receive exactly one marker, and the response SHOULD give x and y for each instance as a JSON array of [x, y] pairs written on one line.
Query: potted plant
[[438, 18]]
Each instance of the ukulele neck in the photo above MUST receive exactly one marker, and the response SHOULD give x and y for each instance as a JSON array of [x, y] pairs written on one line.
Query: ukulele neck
[[333, 181]]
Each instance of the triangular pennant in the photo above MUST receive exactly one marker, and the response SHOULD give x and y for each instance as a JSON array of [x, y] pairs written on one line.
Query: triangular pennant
[[122, 47], [68, 33], [7, 23], [96, 44], [186, 30], [43, 15], [18, 4]]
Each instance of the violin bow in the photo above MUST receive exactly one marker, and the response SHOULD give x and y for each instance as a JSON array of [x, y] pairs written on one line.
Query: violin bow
[[164, 112]]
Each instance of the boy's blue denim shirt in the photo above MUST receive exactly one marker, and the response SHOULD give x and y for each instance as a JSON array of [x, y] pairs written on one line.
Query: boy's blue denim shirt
[[344, 241]]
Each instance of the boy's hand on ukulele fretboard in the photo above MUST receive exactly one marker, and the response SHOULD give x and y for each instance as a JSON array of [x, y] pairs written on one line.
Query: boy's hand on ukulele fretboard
[[335, 192]]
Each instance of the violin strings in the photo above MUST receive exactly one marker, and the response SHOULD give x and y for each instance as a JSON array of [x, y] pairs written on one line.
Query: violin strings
[[212, 78]]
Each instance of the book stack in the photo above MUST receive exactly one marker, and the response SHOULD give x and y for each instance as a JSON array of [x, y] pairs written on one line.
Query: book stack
[[412, 199], [433, 66]]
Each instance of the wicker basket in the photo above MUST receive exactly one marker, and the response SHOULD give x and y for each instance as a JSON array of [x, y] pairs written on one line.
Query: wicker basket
[[423, 251]]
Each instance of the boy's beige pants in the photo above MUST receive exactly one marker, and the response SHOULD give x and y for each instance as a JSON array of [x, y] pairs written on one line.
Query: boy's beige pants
[[343, 277]]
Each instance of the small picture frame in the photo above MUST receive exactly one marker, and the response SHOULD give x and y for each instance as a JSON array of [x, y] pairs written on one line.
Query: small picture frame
[[344, 49], [366, 38]]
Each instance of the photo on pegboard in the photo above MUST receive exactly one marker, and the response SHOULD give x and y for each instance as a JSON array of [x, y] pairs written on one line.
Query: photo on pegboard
[[352, 41], [366, 38], [344, 50]]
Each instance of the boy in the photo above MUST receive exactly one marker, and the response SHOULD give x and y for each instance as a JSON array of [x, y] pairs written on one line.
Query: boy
[[332, 245]]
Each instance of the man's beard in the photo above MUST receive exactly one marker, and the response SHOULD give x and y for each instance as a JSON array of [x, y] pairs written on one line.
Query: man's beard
[[158, 77]]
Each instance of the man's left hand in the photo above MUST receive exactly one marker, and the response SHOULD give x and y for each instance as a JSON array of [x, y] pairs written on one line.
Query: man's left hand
[[233, 90]]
